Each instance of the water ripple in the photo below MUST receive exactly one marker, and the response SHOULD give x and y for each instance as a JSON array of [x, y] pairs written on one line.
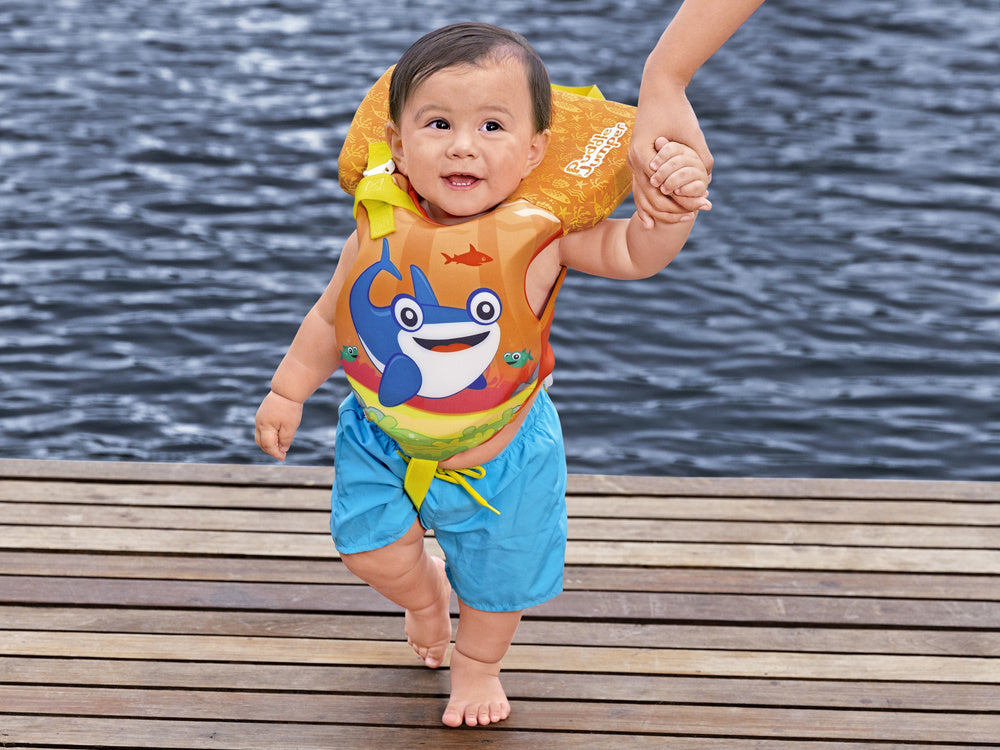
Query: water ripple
[[169, 209]]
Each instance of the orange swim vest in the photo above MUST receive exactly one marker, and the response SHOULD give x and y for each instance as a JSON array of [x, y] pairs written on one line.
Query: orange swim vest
[[438, 340]]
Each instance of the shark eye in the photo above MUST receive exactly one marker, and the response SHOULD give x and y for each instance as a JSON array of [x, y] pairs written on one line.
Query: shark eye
[[407, 313], [484, 306]]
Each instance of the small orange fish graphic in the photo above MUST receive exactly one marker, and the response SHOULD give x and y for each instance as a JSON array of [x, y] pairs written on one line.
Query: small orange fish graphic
[[471, 258]]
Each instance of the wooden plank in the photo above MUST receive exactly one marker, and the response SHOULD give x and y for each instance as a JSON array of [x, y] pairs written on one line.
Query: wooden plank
[[643, 718], [891, 489], [633, 530], [97, 733], [835, 534], [629, 660], [171, 473], [610, 688], [797, 610], [534, 630], [108, 539], [722, 580], [588, 578], [771, 556], [290, 476], [167, 495], [151, 517], [790, 510], [213, 568], [571, 604]]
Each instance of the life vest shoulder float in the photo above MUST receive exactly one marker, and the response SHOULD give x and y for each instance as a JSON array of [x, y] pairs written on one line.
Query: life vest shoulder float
[[583, 177]]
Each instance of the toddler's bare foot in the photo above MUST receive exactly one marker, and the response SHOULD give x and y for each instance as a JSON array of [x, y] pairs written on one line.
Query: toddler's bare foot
[[477, 698], [428, 630]]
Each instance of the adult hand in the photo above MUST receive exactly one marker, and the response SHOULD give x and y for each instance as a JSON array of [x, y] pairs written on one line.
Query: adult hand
[[666, 113], [696, 32]]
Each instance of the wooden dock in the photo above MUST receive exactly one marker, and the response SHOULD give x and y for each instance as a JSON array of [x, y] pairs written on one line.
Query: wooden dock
[[194, 606]]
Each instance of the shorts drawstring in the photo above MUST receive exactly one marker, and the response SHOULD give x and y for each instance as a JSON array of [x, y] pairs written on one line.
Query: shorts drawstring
[[420, 472]]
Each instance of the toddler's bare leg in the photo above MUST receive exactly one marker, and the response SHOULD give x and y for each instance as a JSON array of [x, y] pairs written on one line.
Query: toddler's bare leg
[[406, 574], [477, 698]]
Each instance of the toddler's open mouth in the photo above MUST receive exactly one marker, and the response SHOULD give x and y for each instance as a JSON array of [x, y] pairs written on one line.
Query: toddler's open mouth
[[461, 180]]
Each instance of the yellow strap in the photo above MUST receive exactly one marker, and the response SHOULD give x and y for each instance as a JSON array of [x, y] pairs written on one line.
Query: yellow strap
[[378, 192], [591, 92], [419, 475], [420, 472]]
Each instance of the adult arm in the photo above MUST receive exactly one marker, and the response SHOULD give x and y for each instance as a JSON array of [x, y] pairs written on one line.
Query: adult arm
[[697, 31]]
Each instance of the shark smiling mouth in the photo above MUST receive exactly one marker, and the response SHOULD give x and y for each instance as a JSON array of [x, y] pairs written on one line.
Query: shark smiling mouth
[[452, 345]]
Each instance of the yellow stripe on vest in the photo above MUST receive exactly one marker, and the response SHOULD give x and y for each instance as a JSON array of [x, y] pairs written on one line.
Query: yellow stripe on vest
[[433, 435]]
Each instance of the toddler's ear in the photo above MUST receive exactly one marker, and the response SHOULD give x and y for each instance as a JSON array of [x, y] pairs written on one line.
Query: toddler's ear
[[395, 142], [539, 144]]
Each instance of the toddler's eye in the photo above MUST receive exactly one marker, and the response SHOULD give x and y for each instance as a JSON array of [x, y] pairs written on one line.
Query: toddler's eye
[[439, 124], [492, 126]]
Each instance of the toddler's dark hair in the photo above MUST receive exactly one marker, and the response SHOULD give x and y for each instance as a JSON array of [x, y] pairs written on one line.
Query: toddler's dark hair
[[469, 44]]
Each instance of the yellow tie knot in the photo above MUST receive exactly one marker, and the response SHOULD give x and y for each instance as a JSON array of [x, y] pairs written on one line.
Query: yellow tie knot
[[420, 472]]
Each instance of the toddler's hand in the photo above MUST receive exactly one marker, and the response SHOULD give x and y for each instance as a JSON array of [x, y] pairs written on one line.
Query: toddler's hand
[[677, 187], [277, 420], [677, 170]]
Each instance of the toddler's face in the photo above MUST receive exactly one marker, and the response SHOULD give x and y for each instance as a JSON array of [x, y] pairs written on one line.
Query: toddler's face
[[466, 138]]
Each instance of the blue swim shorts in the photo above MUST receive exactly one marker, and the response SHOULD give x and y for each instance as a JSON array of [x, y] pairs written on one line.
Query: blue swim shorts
[[496, 563]]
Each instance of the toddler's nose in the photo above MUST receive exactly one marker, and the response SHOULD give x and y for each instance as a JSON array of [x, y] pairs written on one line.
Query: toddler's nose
[[462, 145]]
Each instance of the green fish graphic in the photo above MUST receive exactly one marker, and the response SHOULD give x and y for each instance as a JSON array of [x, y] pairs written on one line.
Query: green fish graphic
[[518, 359]]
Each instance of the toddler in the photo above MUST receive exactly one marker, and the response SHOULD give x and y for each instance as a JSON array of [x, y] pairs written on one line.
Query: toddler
[[443, 318]]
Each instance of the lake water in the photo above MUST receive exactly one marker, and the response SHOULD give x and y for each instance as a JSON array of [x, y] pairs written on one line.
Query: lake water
[[169, 210]]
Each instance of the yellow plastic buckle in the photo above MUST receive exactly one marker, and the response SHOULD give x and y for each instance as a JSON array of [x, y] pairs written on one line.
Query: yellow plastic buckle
[[378, 192]]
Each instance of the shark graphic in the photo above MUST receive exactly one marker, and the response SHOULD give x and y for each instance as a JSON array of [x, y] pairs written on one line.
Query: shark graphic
[[421, 347], [471, 257]]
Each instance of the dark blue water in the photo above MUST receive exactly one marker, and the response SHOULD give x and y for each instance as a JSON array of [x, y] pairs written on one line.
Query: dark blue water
[[169, 210]]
